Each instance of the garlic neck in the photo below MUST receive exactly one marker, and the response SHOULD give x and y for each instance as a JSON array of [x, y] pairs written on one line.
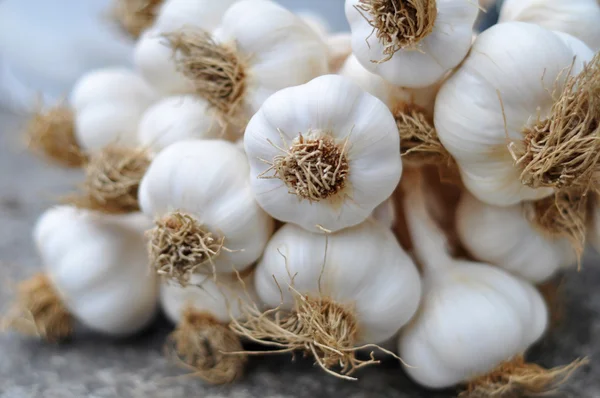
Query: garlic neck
[[429, 242]]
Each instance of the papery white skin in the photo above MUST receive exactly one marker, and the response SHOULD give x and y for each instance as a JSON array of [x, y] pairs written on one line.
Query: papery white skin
[[334, 105], [521, 63], [220, 299], [177, 118], [472, 317], [393, 96], [278, 48], [108, 104], [578, 18], [363, 266], [208, 179], [436, 54], [340, 48], [317, 23], [593, 230], [385, 213], [99, 267], [503, 236], [175, 14]]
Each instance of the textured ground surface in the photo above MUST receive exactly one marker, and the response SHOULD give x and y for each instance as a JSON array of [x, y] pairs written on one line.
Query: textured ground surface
[[91, 366]]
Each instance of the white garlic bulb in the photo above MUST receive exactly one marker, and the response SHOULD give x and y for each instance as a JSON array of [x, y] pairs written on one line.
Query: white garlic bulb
[[198, 193], [411, 44], [264, 46], [578, 18], [503, 236], [176, 118], [484, 111], [340, 48], [175, 14], [99, 267], [108, 104], [472, 317], [359, 272], [349, 144], [385, 213]]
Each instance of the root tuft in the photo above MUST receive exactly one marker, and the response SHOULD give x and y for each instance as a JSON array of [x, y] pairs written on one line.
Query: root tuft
[[399, 24], [38, 311], [135, 16], [317, 326], [216, 70], [201, 343], [51, 133], [180, 246], [563, 150], [517, 378], [112, 179], [313, 169], [563, 215]]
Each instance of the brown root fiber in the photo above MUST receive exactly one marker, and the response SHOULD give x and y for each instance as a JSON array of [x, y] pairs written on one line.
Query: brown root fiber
[[201, 343], [564, 150], [563, 215], [112, 180], [312, 168], [517, 378], [51, 133], [317, 326], [419, 141], [399, 24], [216, 70], [38, 311], [180, 246], [135, 16]]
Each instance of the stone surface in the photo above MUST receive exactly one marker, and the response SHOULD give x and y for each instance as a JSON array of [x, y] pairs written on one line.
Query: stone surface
[[93, 366]]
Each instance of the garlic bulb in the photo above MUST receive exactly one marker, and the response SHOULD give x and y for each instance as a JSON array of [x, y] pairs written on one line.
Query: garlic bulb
[[516, 73], [135, 16], [340, 48], [385, 213], [346, 289], [578, 18], [472, 317], [108, 105], [201, 312], [97, 268], [323, 154], [503, 236], [175, 14], [206, 217], [408, 43], [260, 47], [176, 118]]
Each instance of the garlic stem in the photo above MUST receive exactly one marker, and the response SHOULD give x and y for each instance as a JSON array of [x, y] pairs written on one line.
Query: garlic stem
[[429, 241]]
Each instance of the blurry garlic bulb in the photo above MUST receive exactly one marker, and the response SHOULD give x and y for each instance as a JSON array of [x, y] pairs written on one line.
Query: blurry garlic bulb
[[332, 293], [206, 217], [411, 43], [259, 47], [578, 18], [385, 213], [175, 14], [323, 154], [514, 142], [202, 311], [177, 118], [96, 271], [106, 105], [135, 16], [412, 110], [474, 322], [503, 236]]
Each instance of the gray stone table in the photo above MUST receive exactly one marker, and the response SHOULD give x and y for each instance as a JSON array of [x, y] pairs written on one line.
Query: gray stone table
[[92, 366]]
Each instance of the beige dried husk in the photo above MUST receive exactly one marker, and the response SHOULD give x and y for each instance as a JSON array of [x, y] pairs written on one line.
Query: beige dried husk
[[419, 142], [517, 378], [398, 24], [51, 132], [554, 295], [179, 246], [204, 345], [135, 16], [38, 311], [563, 150], [563, 215], [216, 70], [312, 169], [112, 179]]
